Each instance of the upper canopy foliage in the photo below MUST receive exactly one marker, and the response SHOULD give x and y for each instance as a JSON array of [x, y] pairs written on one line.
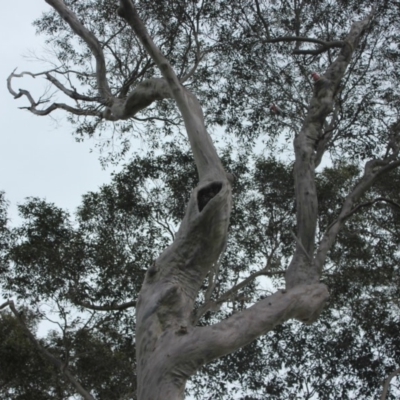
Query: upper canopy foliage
[[238, 57]]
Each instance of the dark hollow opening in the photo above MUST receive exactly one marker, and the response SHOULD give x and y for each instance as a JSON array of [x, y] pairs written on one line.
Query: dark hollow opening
[[207, 193]]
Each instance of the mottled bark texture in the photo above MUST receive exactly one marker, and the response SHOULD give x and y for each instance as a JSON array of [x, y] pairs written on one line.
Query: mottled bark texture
[[169, 347], [309, 147]]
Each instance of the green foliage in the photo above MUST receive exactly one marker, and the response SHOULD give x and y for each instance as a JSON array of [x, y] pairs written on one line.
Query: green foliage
[[55, 263], [100, 257]]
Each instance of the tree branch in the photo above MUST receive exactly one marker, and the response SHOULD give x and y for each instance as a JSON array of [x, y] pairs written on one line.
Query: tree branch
[[303, 302], [371, 174], [144, 94], [369, 204], [387, 383], [73, 94], [46, 354], [211, 305], [208, 163], [111, 307], [92, 42], [264, 22], [54, 106], [324, 46], [337, 43], [301, 270]]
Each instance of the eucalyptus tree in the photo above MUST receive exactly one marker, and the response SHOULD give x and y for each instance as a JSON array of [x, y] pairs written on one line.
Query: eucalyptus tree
[[172, 68]]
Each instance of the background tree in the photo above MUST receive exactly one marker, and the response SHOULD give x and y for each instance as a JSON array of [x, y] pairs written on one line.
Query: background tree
[[194, 305]]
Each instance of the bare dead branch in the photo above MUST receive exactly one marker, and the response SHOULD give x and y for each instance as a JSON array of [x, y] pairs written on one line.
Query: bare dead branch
[[20, 75], [54, 106]]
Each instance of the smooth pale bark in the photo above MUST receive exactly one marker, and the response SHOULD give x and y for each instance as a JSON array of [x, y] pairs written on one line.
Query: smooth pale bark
[[166, 300], [169, 348], [302, 269], [92, 42], [115, 108]]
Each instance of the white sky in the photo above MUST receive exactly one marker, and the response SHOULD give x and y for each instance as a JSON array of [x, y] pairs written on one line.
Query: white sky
[[38, 157]]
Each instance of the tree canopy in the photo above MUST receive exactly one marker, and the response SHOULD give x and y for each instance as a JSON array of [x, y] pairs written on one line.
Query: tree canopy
[[250, 65]]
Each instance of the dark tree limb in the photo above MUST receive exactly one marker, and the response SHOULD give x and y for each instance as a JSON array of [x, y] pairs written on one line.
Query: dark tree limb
[[337, 43], [373, 170], [324, 46], [263, 20], [111, 307], [62, 367]]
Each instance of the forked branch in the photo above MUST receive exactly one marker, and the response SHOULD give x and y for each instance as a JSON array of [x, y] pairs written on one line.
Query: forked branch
[[92, 42], [302, 302], [123, 104], [307, 154], [208, 163]]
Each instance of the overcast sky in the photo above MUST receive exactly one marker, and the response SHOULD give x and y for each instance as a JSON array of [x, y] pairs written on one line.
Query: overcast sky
[[38, 157]]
